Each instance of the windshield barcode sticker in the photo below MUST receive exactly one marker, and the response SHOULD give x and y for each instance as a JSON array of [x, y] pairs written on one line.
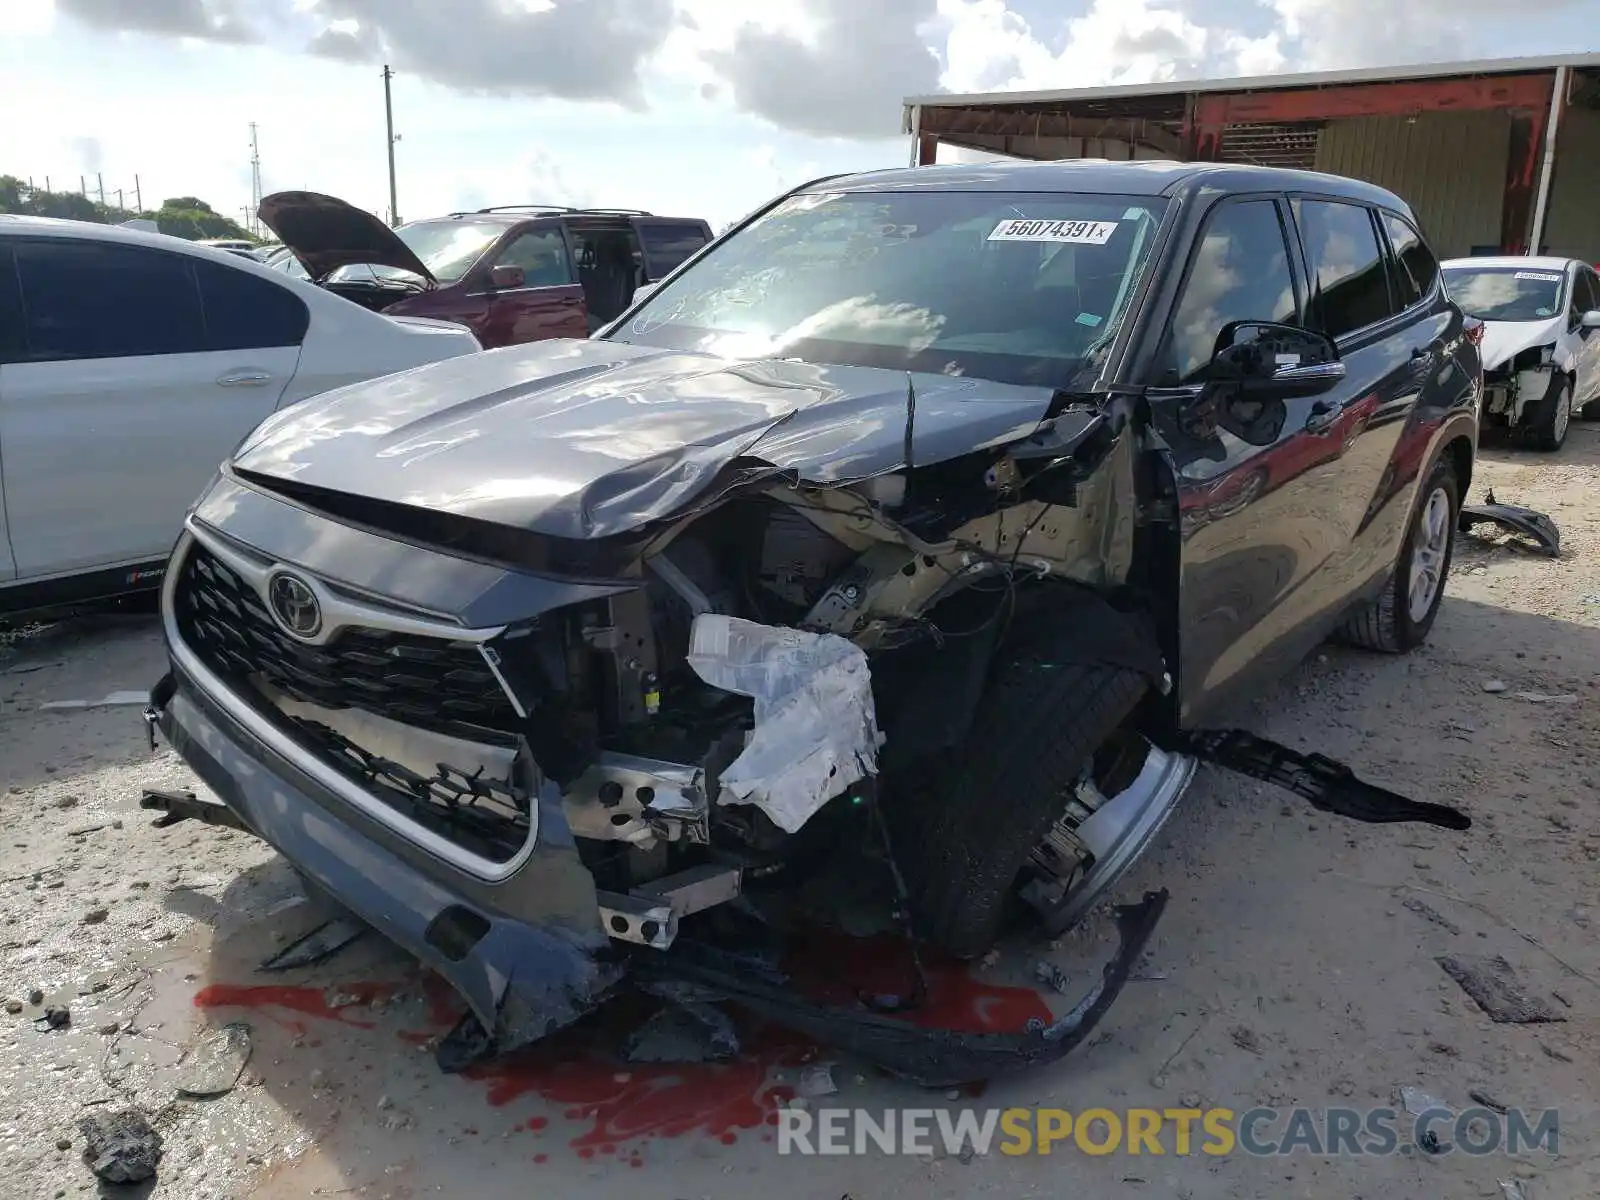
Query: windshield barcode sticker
[[1541, 276], [1083, 233]]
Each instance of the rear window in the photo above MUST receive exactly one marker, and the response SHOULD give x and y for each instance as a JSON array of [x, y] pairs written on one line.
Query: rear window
[[244, 312], [11, 343], [667, 244], [1350, 287], [1507, 293]]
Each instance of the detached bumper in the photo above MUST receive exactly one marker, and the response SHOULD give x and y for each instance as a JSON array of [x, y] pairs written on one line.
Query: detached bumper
[[521, 979]]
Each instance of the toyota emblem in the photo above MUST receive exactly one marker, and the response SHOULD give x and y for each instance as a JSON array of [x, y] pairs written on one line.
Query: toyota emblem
[[294, 605]]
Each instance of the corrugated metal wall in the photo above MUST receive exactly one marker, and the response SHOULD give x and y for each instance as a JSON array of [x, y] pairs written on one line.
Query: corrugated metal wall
[[1450, 167], [1572, 226]]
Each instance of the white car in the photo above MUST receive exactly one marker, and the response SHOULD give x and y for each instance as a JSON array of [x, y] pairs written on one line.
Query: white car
[[1541, 340], [131, 364]]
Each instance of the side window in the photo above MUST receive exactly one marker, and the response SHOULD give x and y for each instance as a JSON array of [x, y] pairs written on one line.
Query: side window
[[12, 345], [1349, 288], [542, 255], [1239, 273], [246, 313], [1415, 266], [667, 244], [86, 299], [1588, 292]]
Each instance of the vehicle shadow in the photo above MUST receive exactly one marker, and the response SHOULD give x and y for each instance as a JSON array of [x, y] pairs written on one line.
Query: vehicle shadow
[[1582, 447], [1265, 891]]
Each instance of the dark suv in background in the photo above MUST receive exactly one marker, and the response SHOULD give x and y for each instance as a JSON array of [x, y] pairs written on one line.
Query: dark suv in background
[[513, 273]]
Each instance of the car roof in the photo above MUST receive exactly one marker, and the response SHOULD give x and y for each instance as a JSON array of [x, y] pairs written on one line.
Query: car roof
[[1538, 263], [18, 225], [1141, 177]]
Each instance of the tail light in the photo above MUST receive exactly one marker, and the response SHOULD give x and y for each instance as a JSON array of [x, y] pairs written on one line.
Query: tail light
[[1474, 331]]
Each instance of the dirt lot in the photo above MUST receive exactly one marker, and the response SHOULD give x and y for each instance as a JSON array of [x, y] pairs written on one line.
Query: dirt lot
[[1295, 965]]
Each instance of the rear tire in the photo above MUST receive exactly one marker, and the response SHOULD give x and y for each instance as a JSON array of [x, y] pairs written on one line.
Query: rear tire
[[966, 833], [1552, 418], [1388, 624]]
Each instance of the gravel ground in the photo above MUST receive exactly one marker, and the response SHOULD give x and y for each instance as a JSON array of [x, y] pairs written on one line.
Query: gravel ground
[[1295, 965]]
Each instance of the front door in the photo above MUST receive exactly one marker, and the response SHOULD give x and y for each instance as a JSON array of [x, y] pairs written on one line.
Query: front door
[[547, 304], [119, 409]]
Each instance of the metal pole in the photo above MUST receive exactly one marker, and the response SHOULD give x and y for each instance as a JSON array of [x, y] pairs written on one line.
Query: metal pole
[[100, 180], [1558, 101], [120, 207], [916, 134], [47, 183], [388, 118], [138, 195], [83, 187], [255, 183]]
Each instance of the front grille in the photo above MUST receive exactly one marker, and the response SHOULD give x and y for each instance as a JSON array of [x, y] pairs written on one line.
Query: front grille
[[433, 683]]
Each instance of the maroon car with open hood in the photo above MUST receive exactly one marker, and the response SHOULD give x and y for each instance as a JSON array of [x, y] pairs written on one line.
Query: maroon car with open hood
[[512, 274]]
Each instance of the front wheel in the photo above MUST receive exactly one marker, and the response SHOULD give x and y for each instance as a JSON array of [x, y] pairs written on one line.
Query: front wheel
[[1400, 618], [969, 825], [1550, 420]]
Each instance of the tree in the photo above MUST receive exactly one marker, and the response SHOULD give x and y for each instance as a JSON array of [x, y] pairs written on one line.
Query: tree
[[182, 216]]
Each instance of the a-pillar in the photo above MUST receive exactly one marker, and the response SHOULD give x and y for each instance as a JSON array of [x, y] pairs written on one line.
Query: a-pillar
[[1522, 178]]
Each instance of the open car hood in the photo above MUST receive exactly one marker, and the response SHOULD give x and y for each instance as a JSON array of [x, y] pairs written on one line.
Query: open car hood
[[325, 234]]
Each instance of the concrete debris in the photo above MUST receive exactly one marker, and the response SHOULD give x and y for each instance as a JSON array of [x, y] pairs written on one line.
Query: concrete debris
[[13, 1007], [36, 996], [1543, 698], [121, 1147], [55, 1017], [1495, 686], [217, 1065], [96, 916], [1510, 1189], [1494, 987]]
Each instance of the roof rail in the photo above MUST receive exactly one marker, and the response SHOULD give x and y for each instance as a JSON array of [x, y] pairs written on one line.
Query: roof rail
[[631, 212], [528, 208]]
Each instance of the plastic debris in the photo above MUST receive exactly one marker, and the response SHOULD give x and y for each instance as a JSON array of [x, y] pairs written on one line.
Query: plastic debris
[[683, 1033], [1417, 1101], [120, 1147], [817, 1080], [217, 1065], [1510, 1189]]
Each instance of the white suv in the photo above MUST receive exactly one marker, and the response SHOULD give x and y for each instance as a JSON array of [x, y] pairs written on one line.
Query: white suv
[[131, 364]]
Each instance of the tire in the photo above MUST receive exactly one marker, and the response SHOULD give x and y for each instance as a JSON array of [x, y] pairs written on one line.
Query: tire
[[1552, 418], [1387, 624], [965, 835]]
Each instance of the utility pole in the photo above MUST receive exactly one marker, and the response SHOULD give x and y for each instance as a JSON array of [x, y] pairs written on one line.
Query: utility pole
[[138, 196], [100, 180], [120, 207], [47, 183], [388, 118], [83, 187], [255, 183]]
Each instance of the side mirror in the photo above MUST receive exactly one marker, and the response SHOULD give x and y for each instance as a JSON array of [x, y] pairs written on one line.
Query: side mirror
[[1272, 361], [506, 277], [1590, 319]]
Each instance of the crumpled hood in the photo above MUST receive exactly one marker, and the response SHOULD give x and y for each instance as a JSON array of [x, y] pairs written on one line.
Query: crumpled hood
[[585, 439], [1503, 340]]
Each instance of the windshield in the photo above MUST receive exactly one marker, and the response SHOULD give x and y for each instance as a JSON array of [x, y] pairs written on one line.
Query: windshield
[[1015, 287], [447, 248], [1506, 293]]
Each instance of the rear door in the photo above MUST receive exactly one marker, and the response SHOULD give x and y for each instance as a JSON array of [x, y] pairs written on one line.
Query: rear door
[[549, 304], [666, 242], [1388, 316], [141, 369]]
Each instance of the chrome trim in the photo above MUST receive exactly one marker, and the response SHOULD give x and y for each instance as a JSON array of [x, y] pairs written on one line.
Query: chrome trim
[[340, 609], [491, 659], [225, 698]]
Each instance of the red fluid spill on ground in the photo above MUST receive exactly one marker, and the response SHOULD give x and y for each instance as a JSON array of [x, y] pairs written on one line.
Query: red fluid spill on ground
[[836, 970], [577, 1068], [311, 1002]]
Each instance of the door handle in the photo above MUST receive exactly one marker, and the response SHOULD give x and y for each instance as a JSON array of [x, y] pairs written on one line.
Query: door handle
[[1323, 415], [244, 379]]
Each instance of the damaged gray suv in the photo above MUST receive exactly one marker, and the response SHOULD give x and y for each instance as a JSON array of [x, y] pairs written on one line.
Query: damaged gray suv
[[913, 536]]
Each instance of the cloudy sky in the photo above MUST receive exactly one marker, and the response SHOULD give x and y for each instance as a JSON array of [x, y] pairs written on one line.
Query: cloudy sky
[[691, 107]]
